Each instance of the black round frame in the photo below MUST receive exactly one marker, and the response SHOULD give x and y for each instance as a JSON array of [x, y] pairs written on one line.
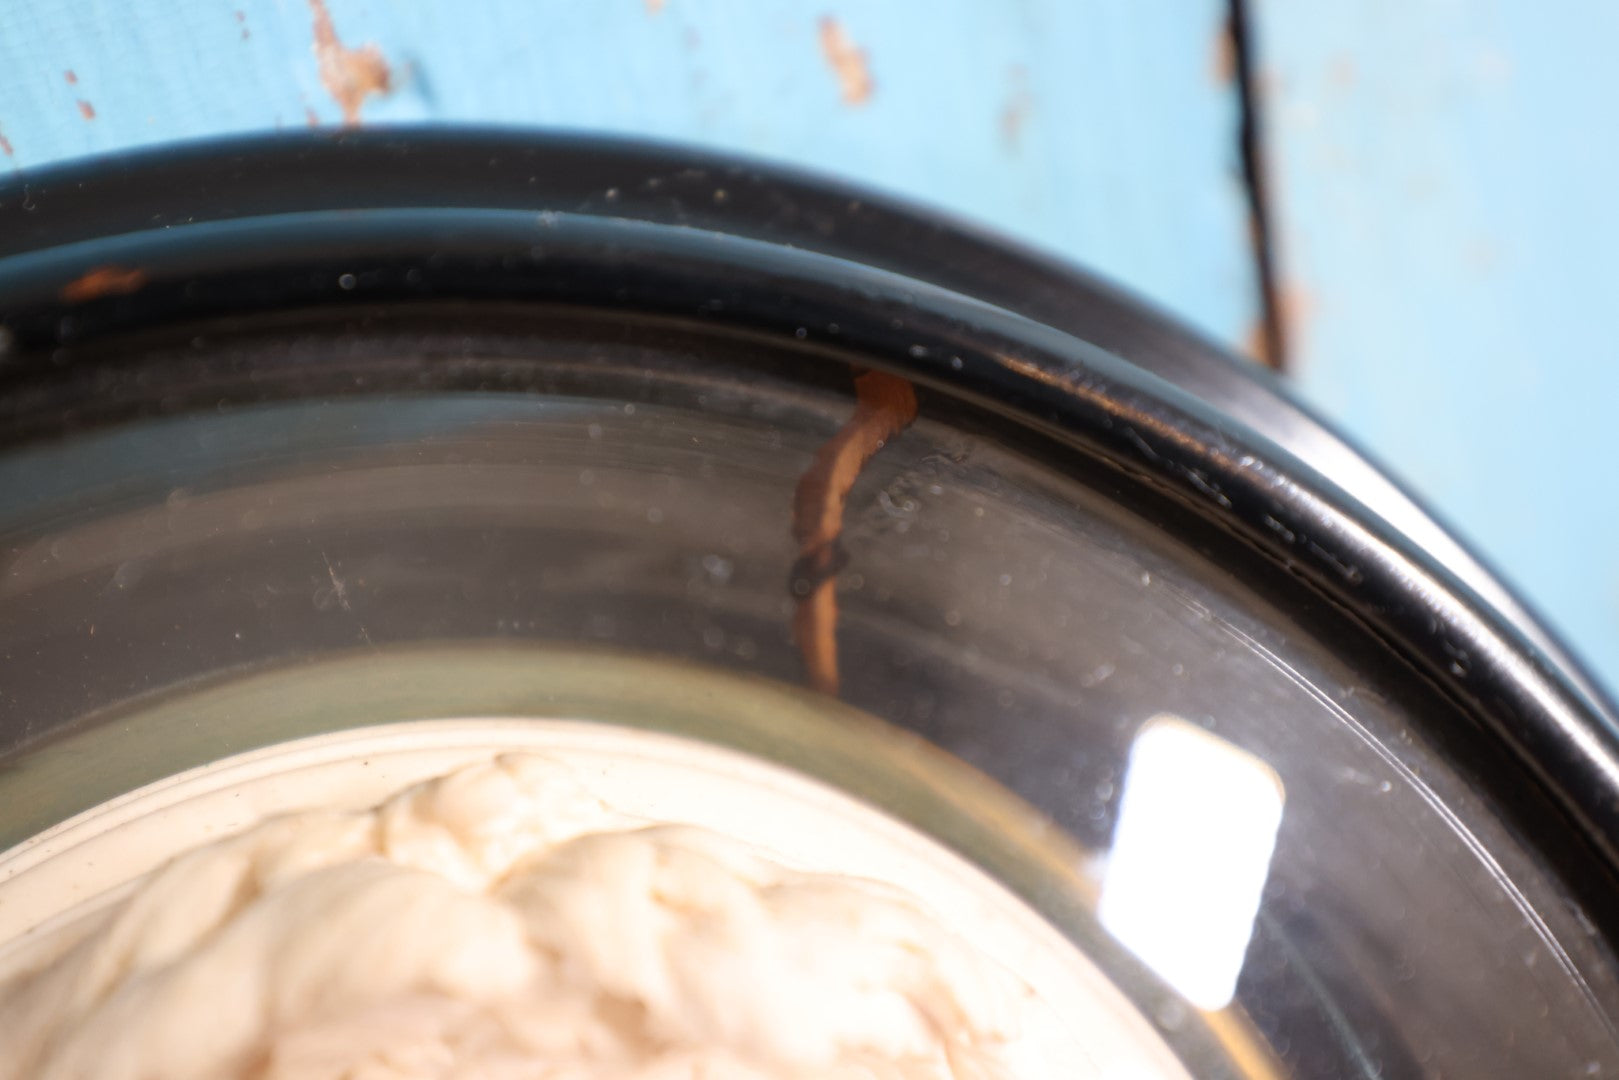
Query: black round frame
[[123, 244]]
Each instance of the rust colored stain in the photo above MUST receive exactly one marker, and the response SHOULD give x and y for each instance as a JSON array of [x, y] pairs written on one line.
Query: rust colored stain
[[241, 20], [847, 61], [1297, 307], [885, 405], [1223, 61], [6, 147], [1274, 345], [71, 77], [654, 6], [1013, 118], [349, 75], [310, 118], [1257, 345], [87, 110], [103, 281], [1016, 113]]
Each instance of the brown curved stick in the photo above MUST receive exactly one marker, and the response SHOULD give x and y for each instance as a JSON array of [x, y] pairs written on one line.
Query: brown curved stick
[[885, 405]]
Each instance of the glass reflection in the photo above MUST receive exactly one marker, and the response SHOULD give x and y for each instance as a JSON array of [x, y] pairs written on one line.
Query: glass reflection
[[1196, 830]]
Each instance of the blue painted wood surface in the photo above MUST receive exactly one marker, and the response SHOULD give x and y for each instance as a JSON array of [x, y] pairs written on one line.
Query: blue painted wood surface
[[1445, 181]]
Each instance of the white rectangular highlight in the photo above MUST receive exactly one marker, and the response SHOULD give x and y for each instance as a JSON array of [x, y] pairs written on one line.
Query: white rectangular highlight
[[1196, 830]]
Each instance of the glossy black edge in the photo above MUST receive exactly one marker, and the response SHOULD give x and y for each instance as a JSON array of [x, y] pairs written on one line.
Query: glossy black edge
[[263, 224], [673, 185], [666, 184]]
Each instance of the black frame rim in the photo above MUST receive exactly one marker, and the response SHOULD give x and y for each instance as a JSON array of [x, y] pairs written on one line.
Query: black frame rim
[[330, 218]]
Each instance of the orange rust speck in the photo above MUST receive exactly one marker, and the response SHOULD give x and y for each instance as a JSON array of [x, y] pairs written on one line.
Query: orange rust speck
[[1016, 112], [103, 281], [1295, 309], [71, 77], [349, 75], [885, 405], [1257, 345], [1012, 120], [1223, 64], [87, 110], [654, 6], [847, 61]]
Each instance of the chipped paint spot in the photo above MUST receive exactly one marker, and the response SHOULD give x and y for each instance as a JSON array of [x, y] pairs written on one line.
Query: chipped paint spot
[[349, 75], [1295, 309], [103, 281], [87, 110], [6, 148], [848, 62], [241, 20], [1223, 61], [1256, 345], [1297, 306], [654, 6], [71, 77], [1016, 112]]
